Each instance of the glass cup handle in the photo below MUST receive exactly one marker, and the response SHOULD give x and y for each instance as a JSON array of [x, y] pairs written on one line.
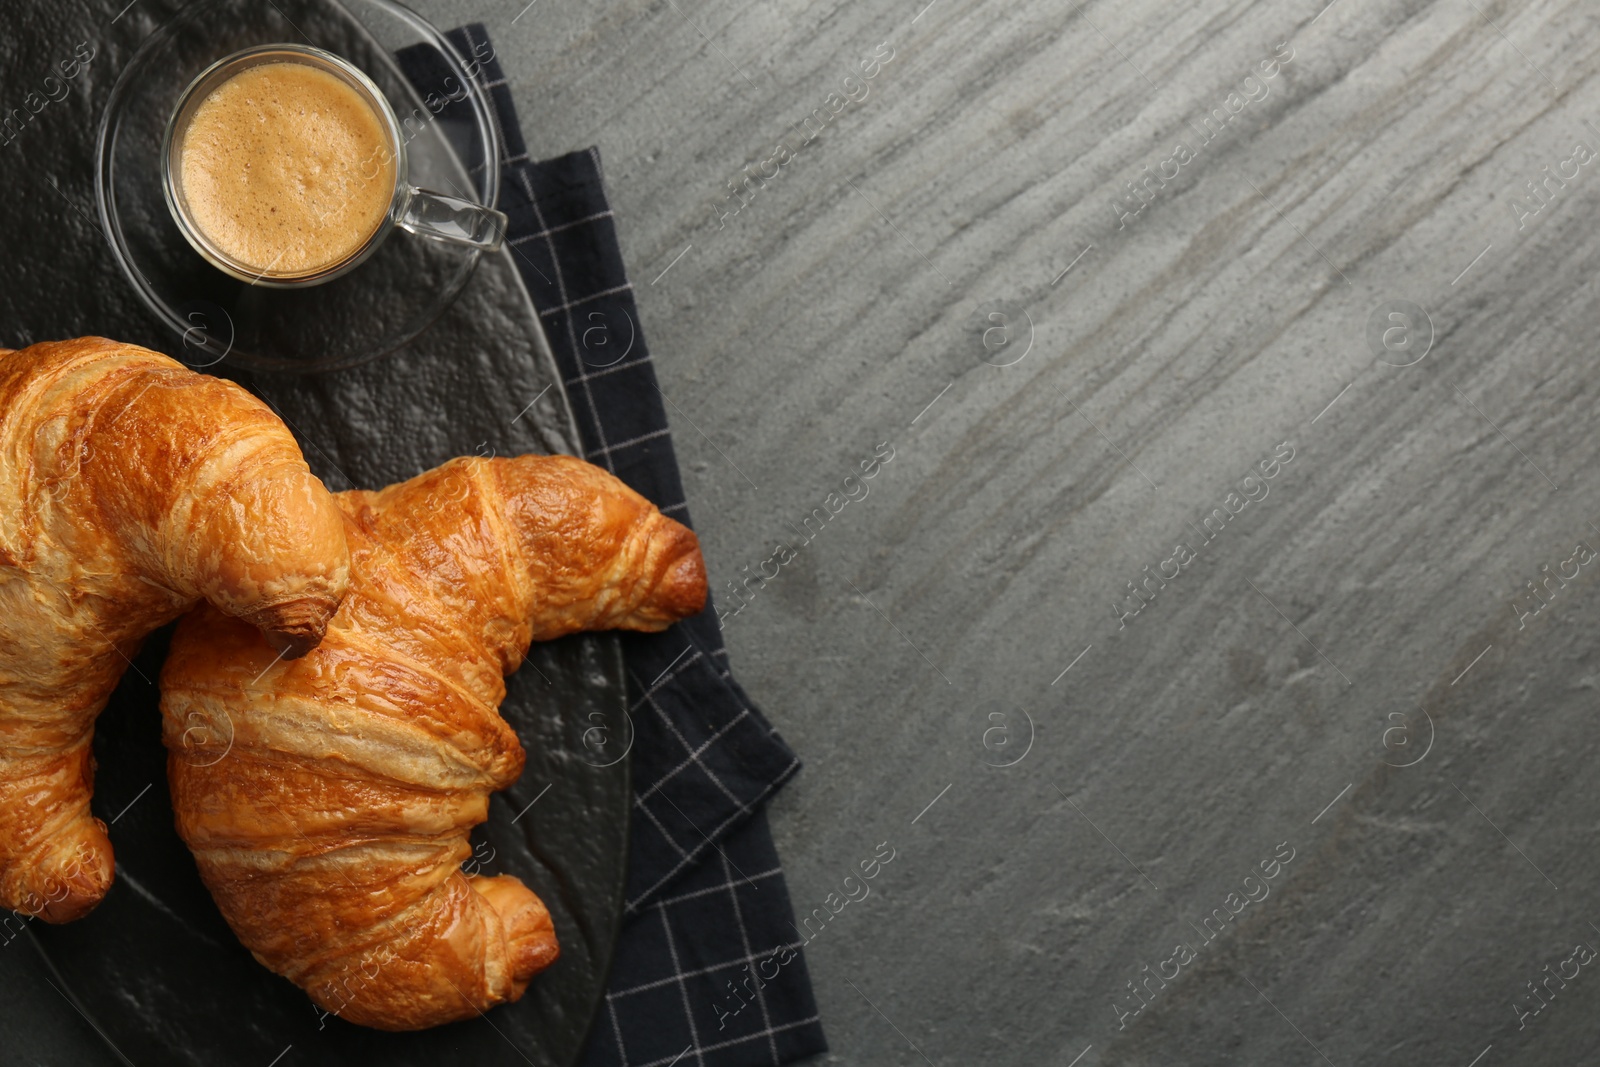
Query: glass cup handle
[[451, 219]]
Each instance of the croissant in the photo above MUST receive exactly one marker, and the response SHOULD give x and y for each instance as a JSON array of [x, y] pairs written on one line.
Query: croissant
[[331, 811], [130, 489]]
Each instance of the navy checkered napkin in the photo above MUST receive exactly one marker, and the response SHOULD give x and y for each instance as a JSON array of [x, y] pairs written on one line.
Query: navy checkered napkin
[[708, 968]]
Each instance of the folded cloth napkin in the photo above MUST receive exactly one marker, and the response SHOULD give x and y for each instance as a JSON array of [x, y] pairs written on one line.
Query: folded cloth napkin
[[708, 968]]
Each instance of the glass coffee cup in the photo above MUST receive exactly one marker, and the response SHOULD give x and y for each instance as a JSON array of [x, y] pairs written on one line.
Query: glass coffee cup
[[285, 166]]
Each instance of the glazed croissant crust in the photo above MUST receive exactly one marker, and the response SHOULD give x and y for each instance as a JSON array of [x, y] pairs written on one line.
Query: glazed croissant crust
[[329, 804], [130, 488]]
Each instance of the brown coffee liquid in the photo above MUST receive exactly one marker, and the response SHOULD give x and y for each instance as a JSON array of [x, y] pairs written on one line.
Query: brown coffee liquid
[[286, 169]]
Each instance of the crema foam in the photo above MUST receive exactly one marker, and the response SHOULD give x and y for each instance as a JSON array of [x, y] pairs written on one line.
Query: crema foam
[[287, 169]]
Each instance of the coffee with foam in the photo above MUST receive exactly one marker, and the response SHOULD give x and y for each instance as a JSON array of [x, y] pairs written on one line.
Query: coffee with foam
[[287, 169]]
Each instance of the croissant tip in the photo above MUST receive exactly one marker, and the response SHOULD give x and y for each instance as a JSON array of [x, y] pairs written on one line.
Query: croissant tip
[[687, 582], [295, 627], [71, 909], [682, 590], [71, 878], [528, 929], [291, 646]]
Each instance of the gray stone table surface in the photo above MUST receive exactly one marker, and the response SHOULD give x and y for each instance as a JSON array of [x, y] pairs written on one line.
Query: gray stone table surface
[[1074, 372], [1235, 362], [1367, 608]]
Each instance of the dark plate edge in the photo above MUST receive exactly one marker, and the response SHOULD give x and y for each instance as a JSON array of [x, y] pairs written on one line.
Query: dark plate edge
[[618, 666]]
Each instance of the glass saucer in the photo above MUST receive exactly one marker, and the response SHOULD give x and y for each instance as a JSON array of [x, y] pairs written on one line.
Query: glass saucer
[[367, 313]]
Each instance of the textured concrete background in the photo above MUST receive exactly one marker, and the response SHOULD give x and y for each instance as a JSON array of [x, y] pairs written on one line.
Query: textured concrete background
[[1322, 634], [1348, 672]]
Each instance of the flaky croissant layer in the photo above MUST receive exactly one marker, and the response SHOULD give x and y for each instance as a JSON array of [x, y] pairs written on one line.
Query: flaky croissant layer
[[130, 488], [328, 801]]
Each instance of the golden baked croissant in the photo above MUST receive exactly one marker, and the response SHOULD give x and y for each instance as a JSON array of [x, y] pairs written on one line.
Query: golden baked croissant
[[130, 489], [331, 819]]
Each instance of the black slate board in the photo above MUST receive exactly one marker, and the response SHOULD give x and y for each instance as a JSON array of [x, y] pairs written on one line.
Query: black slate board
[[154, 969]]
